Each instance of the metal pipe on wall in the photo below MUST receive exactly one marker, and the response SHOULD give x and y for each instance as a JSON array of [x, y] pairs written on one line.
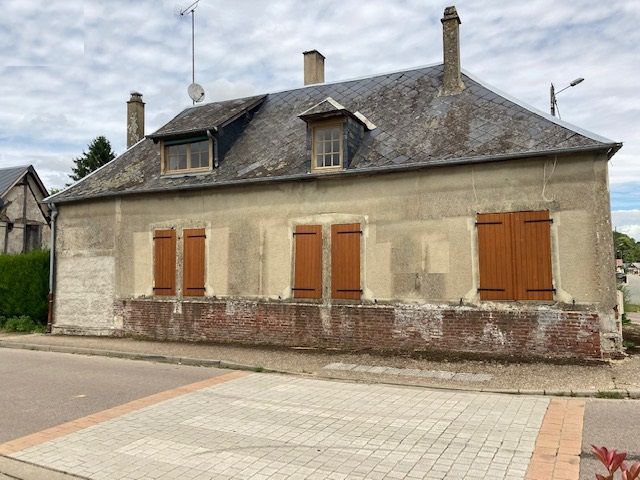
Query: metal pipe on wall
[[52, 264]]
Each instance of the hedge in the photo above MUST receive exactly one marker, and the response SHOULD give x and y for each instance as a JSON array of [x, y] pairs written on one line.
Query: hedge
[[24, 285]]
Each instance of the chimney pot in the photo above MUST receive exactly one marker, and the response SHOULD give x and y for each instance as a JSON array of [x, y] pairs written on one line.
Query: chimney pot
[[135, 119], [452, 79], [313, 67]]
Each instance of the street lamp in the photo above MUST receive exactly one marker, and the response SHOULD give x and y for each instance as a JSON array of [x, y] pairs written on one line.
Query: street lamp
[[554, 102]]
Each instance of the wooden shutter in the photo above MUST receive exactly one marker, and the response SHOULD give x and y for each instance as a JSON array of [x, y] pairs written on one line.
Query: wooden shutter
[[164, 263], [514, 252], [193, 262], [307, 281], [345, 261], [532, 255], [495, 256]]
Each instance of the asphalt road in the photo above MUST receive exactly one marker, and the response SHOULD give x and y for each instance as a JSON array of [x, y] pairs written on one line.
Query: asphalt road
[[613, 424], [39, 390]]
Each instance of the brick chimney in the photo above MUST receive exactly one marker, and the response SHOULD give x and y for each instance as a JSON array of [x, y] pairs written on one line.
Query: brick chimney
[[135, 119], [313, 67], [452, 81]]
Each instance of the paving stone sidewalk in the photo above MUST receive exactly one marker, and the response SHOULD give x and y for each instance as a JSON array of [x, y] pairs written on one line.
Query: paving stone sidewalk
[[623, 376], [268, 426]]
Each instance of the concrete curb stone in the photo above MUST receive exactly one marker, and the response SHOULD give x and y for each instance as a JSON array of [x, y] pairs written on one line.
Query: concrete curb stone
[[203, 362], [634, 394], [22, 470]]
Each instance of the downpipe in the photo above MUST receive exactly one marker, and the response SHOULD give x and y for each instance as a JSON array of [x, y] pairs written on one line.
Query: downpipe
[[52, 265]]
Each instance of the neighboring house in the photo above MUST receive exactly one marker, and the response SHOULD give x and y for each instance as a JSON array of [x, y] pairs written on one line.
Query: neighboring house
[[633, 268], [415, 210], [24, 220]]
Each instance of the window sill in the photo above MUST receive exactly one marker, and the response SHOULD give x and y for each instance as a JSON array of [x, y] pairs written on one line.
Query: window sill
[[185, 173], [321, 170]]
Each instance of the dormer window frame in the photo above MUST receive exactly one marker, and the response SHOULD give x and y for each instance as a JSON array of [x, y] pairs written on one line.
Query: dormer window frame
[[327, 124], [164, 155]]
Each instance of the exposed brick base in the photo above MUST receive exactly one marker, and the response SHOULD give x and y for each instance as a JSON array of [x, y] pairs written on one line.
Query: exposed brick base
[[522, 333]]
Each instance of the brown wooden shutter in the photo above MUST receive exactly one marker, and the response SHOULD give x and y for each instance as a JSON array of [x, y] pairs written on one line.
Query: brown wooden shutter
[[514, 252], [345, 261], [495, 256], [164, 278], [307, 282], [193, 262], [532, 255]]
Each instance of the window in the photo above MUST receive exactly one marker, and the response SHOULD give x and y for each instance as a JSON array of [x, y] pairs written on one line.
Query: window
[[514, 256], [187, 156], [327, 146], [307, 282], [34, 237], [164, 262], [345, 261], [193, 262], [200, 155], [177, 155]]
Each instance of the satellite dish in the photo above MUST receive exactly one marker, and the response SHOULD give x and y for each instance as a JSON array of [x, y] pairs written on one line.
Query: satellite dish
[[196, 92]]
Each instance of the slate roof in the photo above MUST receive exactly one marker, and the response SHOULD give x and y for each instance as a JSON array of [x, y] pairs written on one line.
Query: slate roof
[[207, 116], [416, 128], [9, 176]]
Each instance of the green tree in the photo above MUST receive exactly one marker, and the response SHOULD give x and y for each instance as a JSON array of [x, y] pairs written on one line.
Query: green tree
[[626, 247], [99, 154]]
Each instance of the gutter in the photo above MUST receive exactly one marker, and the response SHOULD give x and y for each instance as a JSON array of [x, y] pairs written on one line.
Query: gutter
[[609, 149], [52, 265]]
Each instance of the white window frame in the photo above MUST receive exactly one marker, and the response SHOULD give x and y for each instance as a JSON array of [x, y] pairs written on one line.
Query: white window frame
[[325, 126]]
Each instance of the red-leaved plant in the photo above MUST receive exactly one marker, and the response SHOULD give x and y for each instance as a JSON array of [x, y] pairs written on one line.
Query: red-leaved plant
[[614, 461]]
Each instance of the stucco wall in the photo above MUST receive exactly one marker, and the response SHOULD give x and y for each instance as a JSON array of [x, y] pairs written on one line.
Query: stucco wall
[[12, 241], [419, 236]]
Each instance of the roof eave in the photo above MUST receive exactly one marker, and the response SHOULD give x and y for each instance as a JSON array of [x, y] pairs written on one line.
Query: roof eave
[[609, 149]]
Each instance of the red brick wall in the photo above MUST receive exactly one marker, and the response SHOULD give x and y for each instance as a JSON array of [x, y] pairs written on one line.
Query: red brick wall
[[521, 333]]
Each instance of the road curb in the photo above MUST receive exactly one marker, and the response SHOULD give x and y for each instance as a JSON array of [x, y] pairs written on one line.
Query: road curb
[[203, 362], [23, 470]]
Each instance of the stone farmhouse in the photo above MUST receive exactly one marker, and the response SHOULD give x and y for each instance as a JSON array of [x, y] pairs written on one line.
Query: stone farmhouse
[[24, 219], [419, 210]]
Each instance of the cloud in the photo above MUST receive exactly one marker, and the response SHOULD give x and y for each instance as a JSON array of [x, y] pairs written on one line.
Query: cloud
[[631, 230], [627, 221], [68, 66]]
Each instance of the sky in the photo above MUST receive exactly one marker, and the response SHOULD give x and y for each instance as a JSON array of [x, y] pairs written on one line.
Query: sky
[[67, 66]]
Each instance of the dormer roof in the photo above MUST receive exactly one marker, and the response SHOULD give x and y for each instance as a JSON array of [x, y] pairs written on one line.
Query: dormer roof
[[328, 108], [211, 116]]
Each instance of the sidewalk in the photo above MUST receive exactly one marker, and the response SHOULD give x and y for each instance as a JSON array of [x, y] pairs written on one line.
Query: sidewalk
[[618, 380]]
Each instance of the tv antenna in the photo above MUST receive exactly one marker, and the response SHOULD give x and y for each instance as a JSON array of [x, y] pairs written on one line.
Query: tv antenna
[[195, 91]]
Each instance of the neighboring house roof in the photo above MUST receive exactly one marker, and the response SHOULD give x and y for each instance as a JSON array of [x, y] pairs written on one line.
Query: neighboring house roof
[[415, 127], [10, 176]]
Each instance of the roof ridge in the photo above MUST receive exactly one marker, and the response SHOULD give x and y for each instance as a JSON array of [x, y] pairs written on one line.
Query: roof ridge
[[315, 85]]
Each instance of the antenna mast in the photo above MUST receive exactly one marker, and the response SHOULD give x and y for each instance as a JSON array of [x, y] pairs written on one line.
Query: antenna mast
[[191, 9]]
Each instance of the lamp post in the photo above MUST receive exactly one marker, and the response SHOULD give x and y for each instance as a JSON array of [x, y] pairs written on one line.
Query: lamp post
[[553, 94]]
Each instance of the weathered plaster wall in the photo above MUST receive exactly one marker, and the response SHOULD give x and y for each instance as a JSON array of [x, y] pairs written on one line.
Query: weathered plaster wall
[[419, 237], [86, 267], [14, 199]]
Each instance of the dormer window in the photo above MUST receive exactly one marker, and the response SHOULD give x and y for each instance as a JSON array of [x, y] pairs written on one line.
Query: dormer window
[[192, 155], [327, 146], [334, 134]]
